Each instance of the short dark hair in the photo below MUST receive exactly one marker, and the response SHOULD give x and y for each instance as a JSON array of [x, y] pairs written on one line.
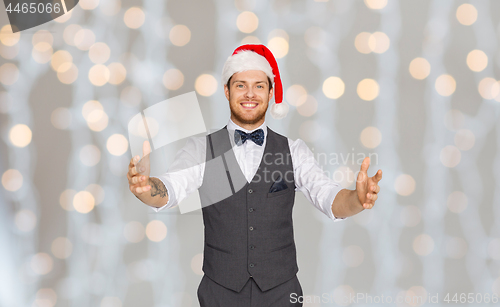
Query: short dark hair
[[268, 80]]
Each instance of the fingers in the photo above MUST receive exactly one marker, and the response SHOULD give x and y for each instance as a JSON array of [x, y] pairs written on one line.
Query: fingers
[[378, 176], [365, 164], [139, 190], [132, 171]]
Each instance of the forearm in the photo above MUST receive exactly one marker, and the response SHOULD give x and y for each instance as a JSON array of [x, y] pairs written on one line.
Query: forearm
[[157, 196], [346, 203]]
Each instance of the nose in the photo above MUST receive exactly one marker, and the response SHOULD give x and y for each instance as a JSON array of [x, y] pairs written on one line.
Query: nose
[[250, 93]]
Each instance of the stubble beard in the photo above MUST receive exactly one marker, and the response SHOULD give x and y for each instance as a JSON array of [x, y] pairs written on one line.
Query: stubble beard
[[243, 120]]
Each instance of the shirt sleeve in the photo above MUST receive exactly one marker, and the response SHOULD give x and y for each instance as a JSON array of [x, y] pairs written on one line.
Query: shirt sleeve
[[185, 174], [311, 180]]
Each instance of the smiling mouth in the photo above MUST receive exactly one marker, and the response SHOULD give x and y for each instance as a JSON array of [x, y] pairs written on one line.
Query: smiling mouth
[[249, 105]]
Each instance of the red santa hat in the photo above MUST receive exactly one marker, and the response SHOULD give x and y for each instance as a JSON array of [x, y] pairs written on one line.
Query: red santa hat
[[257, 57]]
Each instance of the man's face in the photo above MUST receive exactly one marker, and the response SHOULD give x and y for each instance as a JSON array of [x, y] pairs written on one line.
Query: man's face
[[248, 97]]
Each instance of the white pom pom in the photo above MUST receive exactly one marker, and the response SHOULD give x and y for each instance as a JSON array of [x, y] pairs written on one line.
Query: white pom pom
[[279, 110]]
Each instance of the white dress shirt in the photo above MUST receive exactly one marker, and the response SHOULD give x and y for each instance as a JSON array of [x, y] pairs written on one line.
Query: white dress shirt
[[185, 175]]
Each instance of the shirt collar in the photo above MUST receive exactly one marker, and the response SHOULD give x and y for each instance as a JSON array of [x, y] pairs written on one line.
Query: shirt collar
[[231, 127]]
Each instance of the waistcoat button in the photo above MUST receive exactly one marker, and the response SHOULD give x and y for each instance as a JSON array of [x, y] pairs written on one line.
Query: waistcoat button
[[252, 247], [251, 228], [250, 191], [251, 265], [250, 209]]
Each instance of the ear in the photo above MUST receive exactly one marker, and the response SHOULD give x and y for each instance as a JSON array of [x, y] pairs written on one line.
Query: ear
[[271, 94], [226, 91]]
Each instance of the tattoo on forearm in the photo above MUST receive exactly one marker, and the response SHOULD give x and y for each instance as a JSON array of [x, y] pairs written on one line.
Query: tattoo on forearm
[[157, 187]]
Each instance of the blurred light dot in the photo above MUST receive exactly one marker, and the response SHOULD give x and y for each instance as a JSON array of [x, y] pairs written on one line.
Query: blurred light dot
[[134, 232], [173, 79], [294, 93], [410, 216], [83, 202], [134, 17], [494, 249], [308, 107], [99, 53], [250, 39], [66, 199], [423, 245], [278, 46], [88, 4], [404, 185], [382, 42], [117, 144], [310, 131], [47, 297], [42, 52], [111, 301], [67, 73], [131, 96], [315, 37], [95, 116], [20, 135], [61, 118], [466, 14], [180, 35], [12, 180], [368, 89], [464, 139], [69, 34], [156, 231], [197, 264], [344, 175], [454, 119], [456, 248], [9, 52], [41, 263], [7, 37], [118, 73], [62, 248], [365, 42], [84, 39], [90, 155], [353, 256], [488, 88], [60, 57], [244, 5], [450, 156], [477, 60], [420, 68], [25, 220], [110, 7], [370, 137], [206, 85], [376, 4], [9, 73], [247, 22], [97, 191], [333, 87], [445, 85], [99, 75], [457, 201], [42, 36]]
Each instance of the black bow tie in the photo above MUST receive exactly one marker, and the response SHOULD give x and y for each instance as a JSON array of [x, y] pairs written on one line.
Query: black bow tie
[[257, 136]]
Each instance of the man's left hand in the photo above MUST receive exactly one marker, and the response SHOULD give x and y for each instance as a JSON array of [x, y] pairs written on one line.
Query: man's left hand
[[367, 188]]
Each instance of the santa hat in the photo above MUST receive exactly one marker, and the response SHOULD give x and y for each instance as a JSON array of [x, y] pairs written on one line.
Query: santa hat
[[257, 57]]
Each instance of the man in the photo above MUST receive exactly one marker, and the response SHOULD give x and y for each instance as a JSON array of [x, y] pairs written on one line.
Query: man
[[247, 189]]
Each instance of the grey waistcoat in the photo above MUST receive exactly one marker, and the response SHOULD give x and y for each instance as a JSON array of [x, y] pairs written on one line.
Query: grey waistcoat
[[248, 231]]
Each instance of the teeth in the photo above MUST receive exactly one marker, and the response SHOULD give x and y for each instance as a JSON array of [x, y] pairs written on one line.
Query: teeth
[[249, 104]]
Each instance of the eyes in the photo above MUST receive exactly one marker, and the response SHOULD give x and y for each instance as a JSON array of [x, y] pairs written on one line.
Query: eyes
[[259, 86]]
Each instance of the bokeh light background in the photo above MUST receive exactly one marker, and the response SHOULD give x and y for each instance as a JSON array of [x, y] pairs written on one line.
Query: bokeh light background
[[413, 81]]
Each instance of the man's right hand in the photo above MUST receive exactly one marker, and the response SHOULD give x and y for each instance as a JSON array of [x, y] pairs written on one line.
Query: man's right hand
[[138, 173]]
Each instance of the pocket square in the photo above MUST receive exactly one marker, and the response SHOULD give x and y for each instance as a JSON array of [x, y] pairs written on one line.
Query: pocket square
[[278, 185]]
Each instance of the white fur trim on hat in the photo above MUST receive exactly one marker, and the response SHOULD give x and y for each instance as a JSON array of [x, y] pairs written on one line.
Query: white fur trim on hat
[[279, 110], [246, 60]]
